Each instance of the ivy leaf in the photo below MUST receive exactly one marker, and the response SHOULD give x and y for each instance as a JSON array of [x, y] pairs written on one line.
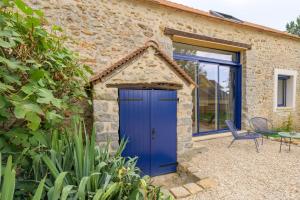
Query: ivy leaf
[[6, 44], [28, 89], [46, 97], [53, 116], [22, 109], [12, 79], [13, 64], [33, 120], [3, 101], [23, 7], [4, 87], [37, 74]]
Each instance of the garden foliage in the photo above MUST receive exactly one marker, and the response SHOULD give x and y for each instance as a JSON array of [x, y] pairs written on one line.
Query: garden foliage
[[40, 79]]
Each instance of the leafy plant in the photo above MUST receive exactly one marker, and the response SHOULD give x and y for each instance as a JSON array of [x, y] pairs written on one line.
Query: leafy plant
[[40, 80], [80, 169], [8, 184], [72, 166], [286, 126]]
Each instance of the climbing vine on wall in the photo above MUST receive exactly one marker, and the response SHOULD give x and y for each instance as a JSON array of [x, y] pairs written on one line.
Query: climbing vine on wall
[[40, 79]]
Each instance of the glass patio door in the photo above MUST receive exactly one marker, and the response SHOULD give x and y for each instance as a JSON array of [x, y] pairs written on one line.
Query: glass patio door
[[215, 96]]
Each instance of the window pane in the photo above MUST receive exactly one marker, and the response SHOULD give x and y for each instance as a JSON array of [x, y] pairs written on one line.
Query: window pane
[[280, 93], [191, 68], [204, 52], [226, 95], [208, 99]]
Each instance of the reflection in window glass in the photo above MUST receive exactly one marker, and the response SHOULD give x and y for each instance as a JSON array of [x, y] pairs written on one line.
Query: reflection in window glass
[[226, 95], [204, 52], [191, 69], [208, 97]]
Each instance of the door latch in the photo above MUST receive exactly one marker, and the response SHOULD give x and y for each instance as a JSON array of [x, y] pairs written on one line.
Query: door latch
[[153, 133]]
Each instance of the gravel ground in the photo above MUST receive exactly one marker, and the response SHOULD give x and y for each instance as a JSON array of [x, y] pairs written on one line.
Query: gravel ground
[[243, 174]]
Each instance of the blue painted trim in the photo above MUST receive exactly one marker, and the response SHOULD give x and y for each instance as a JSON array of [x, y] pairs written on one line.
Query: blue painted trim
[[210, 132], [178, 56], [238, 88], [238, 95]]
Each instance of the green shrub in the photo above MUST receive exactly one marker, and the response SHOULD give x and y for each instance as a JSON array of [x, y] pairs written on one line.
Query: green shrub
[[40, 80]]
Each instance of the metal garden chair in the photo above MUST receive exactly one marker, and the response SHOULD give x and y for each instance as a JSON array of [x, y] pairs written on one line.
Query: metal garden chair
[[262, 126], [242, 136]]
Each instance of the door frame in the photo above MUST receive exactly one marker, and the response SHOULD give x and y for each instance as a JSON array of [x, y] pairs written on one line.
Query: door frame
[[238, 88]]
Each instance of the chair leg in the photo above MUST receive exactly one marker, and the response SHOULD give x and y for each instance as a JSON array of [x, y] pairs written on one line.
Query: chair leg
[[231, 143], [256, 145]]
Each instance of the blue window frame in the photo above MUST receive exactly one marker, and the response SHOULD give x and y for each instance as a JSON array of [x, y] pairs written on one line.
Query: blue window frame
[[236, 67], [282, 90]]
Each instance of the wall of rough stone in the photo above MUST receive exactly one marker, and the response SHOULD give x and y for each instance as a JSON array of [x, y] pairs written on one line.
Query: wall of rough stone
[[103, 31], [146, 68]]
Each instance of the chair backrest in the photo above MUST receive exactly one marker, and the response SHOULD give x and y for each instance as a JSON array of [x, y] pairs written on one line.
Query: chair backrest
[[259, 124], [232, 128]]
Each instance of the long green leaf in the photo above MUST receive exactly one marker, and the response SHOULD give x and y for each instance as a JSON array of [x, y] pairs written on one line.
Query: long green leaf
[[110, 191], [39, 191], [66, 191], [58, 185], [98, 194], [50, 165], [81, 189], [0, 168], [8, 187]]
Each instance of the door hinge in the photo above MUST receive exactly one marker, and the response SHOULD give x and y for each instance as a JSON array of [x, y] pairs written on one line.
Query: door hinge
[[130, 99], [169, 99]]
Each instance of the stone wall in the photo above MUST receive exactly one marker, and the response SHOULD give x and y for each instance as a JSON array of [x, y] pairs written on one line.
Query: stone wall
[[146, 68], [105, 30]]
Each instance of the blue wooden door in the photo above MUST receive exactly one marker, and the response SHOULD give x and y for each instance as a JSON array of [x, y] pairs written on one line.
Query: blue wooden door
[[163, 132], [148, 121]]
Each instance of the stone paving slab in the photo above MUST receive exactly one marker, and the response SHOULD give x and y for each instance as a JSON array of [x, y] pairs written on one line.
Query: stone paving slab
[[193, 188], [207, 183], [180, 192]]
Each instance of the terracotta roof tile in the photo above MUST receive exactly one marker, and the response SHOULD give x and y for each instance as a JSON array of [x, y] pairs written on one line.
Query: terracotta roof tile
[[207, 14], [98, 77]]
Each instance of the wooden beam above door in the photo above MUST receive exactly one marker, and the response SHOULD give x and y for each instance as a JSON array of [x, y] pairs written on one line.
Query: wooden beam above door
[[205, 41]]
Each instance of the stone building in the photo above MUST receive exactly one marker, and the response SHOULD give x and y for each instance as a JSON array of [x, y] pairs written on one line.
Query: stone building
[[219, 67]]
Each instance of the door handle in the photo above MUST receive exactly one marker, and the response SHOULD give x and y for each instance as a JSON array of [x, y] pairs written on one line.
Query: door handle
[[153, 133]]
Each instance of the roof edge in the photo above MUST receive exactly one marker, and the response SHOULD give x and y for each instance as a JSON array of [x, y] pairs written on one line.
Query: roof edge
[[207, 14], [98, 77]]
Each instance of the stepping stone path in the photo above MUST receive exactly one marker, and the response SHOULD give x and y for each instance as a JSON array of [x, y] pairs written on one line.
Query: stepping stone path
[[203, 183]]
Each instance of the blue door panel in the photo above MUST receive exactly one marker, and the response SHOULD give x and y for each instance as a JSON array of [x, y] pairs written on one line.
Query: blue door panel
[[163, 132], [134, 126], [148, 121]]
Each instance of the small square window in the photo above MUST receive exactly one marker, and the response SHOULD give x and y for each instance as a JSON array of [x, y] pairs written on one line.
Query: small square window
[[284, 89]]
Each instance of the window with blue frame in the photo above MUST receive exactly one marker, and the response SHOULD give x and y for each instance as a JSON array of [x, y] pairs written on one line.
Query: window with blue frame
[[218, 95], [282, 91]]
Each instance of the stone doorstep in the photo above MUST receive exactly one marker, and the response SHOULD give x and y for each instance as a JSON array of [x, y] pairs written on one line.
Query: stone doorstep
[[193, 188], [207, 183], [200, 175], [180, 192]]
